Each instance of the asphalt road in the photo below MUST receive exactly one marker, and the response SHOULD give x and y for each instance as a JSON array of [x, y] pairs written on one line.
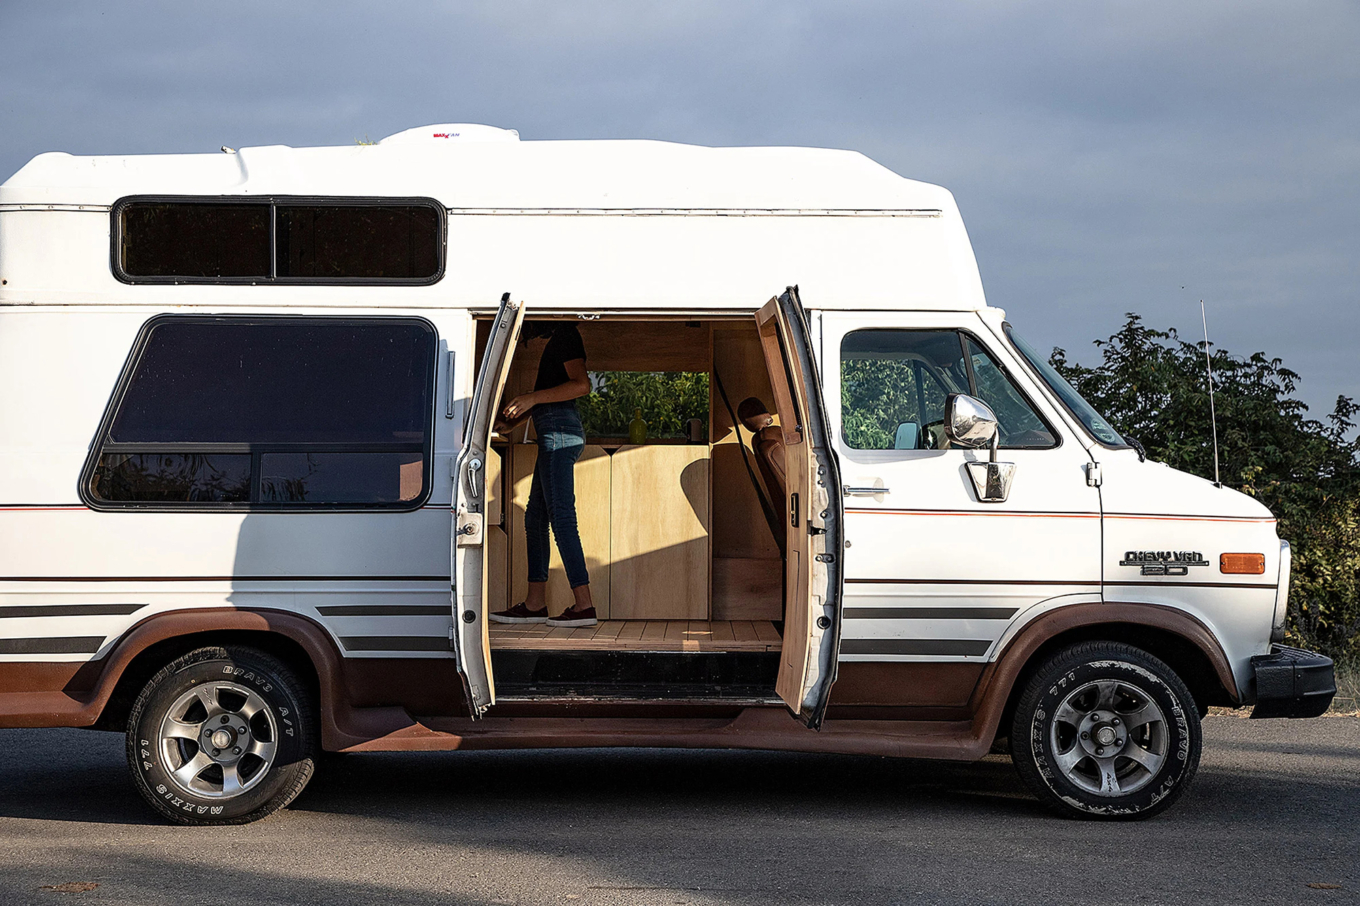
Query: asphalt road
[[1276, 806]]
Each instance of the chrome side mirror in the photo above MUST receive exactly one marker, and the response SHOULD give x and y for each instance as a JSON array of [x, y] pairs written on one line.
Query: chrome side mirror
[[969, 422]]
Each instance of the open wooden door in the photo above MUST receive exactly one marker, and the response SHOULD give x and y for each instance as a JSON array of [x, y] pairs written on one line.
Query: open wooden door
[[468, 551], [813, 513]]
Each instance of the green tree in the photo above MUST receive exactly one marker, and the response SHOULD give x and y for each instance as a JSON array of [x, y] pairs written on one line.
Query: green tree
[[1152, 386], [668, 400]]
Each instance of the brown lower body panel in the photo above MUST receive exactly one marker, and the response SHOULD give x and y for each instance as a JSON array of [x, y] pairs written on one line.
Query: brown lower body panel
[[751, 728]]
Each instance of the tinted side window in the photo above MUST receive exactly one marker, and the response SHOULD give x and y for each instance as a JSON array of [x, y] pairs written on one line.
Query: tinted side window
[[367, 241], [290, 382], [266, 240], [195, 240], [281, 412], [894, 384]]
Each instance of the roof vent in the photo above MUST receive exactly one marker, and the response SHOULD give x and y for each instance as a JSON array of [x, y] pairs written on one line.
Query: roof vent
[[457, 132]]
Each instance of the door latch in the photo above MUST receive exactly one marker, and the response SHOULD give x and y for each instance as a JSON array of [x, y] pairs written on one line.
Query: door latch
[[468, 532]]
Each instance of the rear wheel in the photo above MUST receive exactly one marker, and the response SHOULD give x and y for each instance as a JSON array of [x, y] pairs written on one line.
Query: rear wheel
[[1106, 730], [221, 736]]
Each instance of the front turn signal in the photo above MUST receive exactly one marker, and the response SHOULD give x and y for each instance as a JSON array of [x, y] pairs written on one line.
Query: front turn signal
[[1242, 564]]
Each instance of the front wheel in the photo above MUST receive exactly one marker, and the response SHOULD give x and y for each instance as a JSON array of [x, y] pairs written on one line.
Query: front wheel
[[221, 736], [1106, 730]]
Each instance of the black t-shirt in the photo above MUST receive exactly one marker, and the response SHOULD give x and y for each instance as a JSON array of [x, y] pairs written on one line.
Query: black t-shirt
[[563, 346]]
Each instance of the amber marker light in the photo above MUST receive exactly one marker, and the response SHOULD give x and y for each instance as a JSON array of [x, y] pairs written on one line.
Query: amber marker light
[[1242, 564]]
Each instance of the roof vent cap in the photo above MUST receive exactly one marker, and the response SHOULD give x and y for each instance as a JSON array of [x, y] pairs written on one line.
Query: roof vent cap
[[456, 132]]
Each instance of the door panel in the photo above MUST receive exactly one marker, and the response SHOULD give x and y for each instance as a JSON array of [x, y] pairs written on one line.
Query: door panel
[[469, 547], [812, 511], [932, 573]]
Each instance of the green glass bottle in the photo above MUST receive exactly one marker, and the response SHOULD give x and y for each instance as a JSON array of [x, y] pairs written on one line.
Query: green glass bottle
[[637, 428]]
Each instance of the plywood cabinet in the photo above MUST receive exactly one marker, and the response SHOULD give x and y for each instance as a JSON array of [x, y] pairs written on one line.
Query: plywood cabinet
[[659, 532], [643, 515]]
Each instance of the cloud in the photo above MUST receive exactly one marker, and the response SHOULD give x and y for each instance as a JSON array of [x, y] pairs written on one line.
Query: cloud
[[1108, 157]]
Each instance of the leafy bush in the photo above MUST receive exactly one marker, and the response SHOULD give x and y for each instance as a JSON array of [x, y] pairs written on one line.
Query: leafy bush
[[668, 400], [1151, 386]]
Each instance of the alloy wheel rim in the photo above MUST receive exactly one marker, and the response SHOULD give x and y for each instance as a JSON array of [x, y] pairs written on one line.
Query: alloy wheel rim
[[218, 740], [1109, 738]]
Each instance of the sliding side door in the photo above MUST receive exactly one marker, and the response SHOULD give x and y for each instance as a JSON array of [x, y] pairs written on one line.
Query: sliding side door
[[472, 642], [813, 513]]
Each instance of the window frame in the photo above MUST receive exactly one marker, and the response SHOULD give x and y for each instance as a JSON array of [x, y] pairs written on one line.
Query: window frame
[[101, 444], [273, 202], [961, 333]]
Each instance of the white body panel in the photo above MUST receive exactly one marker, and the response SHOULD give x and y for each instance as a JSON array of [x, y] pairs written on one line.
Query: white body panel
[[586, 226], [1037, 550]]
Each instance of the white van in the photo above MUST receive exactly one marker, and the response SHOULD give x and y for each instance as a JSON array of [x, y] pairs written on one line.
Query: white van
[[253, 505]]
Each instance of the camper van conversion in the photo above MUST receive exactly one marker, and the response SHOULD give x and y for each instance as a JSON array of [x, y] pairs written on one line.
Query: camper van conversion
[[257, 502]]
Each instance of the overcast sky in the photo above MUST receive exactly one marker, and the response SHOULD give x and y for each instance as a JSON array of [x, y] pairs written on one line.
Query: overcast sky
[[1108, 157]]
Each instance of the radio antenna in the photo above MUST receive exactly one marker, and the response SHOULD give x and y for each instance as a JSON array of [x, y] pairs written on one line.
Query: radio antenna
[[1209, 367]]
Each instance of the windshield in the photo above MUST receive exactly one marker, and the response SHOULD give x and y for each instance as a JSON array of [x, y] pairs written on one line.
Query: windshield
[[1099, 428]]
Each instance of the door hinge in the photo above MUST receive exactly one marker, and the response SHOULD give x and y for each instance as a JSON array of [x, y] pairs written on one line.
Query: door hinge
[[793, 509], [453, 641], [1093, 474]]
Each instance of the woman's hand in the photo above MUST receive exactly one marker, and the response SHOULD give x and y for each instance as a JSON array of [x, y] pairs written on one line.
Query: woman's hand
[[520, 406]]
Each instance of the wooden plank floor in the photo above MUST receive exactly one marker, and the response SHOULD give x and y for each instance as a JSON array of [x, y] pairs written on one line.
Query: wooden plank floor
[[641, 635]]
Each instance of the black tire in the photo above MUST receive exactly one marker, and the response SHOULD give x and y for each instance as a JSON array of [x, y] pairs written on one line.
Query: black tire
[[242, 695], [1102, 689]]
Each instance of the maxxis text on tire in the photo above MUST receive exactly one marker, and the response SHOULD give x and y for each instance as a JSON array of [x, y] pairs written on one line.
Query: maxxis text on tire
[[1105, 730], [222, 735]]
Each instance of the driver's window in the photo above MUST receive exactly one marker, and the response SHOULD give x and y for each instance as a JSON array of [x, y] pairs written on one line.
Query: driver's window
[[894, 384]]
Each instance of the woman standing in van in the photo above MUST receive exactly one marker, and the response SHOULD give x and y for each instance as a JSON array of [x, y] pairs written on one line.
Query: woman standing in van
[[561, 381]]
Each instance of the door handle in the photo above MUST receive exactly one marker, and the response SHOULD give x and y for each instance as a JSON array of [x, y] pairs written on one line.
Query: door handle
[[865, 492], [473, 467]]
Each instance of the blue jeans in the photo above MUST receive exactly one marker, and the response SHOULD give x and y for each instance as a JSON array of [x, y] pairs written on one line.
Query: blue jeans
[[552, 497]]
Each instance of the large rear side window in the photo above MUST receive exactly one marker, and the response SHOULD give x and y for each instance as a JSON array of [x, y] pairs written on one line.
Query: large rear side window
[[278, 240], [270, 412]]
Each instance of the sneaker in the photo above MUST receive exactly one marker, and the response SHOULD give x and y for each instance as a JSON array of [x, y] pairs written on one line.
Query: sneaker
[[574, 617], [520, 614]]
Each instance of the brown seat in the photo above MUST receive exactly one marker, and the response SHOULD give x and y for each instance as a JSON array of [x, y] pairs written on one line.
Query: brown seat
[[768, 443]]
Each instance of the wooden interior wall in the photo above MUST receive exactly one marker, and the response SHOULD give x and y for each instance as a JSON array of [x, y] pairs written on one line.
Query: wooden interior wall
[[659, 532], [593, 513], [747, 569], [647, 345], [744, 579]]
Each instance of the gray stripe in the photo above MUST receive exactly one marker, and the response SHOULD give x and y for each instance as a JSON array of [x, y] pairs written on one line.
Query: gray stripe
[[395, 643], [70, 645], [969, 647], [930, 613], [387, 610], [70, 610]]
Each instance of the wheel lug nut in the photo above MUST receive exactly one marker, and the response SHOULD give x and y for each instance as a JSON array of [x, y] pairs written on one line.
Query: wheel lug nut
[[217, 751], [242, 731], [1085, 735], [1119, 742], [1115, 721], [226, 719], [236, 750], [1100, 751]]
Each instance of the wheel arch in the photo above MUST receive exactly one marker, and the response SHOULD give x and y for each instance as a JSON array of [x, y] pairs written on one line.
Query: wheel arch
[[1185, 644], [299, 642]]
